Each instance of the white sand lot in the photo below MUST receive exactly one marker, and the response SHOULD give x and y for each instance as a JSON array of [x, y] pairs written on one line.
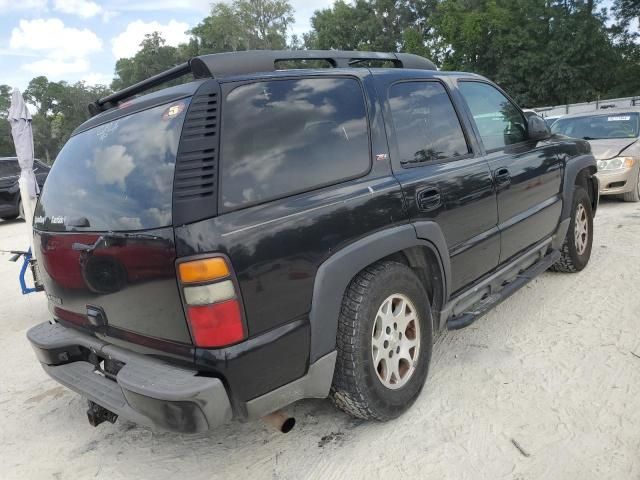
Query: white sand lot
[[555, 369]]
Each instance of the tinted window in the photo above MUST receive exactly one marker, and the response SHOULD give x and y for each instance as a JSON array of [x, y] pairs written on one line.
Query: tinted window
[[9, 168], [619, 125], [116, 176], [286, 136], [498, 120], [427, 127]]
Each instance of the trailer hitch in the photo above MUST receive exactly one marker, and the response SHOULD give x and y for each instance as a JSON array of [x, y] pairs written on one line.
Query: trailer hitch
[[97, 414]]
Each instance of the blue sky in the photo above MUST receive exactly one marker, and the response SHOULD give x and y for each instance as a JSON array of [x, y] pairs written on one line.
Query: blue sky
[[82, 39]]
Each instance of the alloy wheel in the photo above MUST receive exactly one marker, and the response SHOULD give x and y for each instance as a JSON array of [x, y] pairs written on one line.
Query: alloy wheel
[[581, 229], [395, 341]]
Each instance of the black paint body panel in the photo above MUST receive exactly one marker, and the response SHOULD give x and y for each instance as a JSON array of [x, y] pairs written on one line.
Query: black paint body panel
[[293, 256]]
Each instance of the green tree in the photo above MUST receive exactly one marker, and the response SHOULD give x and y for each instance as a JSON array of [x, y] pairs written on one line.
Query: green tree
[[244, 25], [541, 51], [383, 25], [61, 107], [152, 58], [627, 10], [264, 22], [6, 141]]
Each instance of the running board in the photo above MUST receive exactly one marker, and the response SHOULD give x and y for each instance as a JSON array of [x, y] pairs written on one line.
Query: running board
[[483, 306]]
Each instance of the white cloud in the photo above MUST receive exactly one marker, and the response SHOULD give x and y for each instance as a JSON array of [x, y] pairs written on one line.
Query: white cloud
[[201, 6], [6, 5], [82, 8], [98, 78], [56, 68], [128, 42], [112, 165], [51, 38]]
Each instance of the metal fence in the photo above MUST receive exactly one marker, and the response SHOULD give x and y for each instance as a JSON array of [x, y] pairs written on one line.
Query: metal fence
[[559, 110]]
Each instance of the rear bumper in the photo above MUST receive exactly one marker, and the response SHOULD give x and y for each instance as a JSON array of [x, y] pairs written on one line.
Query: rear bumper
[[151, 392], [146, 391]]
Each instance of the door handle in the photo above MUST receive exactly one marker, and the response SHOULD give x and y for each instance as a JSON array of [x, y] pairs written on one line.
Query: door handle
[[502, 179], [428, 199]]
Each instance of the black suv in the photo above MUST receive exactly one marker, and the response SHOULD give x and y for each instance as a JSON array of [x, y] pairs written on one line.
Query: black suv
[[10, 203], [228, 246]]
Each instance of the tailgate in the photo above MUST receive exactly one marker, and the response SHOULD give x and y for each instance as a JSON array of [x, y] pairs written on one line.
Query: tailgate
[[125, 282], [103, 233]]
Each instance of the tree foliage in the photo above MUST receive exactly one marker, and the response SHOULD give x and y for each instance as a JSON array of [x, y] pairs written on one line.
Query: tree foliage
[[543, 52], [381, 25], [152, 58], [627, 10], [6, 142], [61, 107]]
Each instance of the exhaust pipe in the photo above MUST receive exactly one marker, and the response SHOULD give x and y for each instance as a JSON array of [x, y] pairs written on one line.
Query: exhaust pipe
[[280, 421]]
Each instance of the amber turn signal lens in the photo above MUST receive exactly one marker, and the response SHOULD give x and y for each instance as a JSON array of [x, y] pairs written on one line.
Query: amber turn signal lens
[[203, 270]]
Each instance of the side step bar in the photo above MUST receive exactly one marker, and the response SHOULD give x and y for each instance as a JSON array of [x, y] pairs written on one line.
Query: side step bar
[[483, 306]]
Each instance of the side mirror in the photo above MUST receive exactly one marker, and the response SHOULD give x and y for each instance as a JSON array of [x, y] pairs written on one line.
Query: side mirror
[[537, 128]]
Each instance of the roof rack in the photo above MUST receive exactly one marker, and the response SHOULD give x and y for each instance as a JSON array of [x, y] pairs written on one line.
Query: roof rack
[[218, 65]]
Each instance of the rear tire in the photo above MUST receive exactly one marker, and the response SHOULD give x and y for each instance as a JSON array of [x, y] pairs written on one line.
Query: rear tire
[[576, 249], [385, 314], [633, 195]]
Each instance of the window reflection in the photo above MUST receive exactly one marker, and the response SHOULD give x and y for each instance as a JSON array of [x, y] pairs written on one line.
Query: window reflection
[[427, 127], [499, 122], [117, 176], [285, 136]]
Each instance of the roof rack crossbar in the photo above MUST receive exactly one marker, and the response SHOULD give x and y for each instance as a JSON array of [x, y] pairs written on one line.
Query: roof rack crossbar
[[252, 61], [111, 100]]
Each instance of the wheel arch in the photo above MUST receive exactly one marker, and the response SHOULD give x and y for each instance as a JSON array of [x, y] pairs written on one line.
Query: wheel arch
[[402, 243], [580, 171]]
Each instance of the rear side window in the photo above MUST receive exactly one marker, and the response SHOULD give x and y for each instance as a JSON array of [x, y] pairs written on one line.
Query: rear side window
[[498, 120], [426, 125], [282, 137]]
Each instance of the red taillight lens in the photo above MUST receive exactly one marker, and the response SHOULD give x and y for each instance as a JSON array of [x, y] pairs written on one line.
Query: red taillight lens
[[217, 324]]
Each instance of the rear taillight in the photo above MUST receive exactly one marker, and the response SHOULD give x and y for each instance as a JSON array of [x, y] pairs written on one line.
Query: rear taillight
[[211, 302]]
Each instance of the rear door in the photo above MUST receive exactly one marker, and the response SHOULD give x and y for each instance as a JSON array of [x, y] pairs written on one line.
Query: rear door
[[103, 231], [443, 177], [527, 175]]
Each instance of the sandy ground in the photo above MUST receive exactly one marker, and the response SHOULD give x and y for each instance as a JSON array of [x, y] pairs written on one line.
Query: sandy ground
[[555, 370]]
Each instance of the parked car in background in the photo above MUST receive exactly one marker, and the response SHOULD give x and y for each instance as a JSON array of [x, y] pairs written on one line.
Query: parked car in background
[[613, 135], [225, 247], [551, 120], [10, 203]]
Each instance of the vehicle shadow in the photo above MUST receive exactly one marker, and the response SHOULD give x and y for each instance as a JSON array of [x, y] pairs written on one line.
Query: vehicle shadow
[[11, 222]]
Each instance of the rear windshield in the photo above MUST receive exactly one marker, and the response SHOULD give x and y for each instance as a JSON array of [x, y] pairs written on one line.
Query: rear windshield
[[117, 176], [619, 125]]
